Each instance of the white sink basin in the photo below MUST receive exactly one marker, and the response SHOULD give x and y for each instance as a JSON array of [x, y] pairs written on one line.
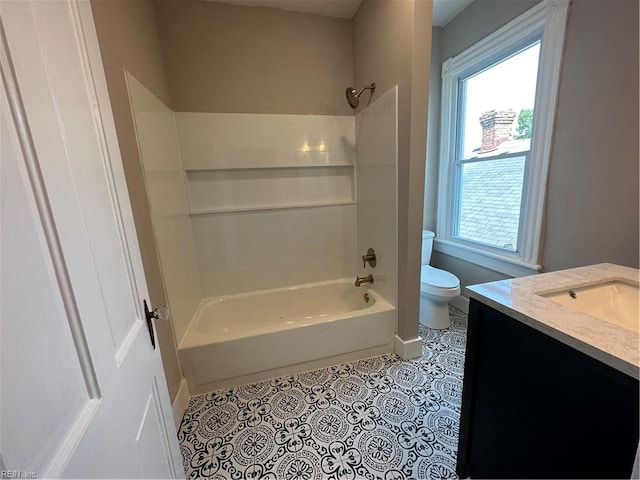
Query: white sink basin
[[614, 301]]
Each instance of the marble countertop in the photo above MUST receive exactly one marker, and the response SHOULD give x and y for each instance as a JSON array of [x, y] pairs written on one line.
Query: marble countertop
[[613, 345]]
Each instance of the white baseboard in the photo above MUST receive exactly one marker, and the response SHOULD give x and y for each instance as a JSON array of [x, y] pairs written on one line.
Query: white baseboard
[[408, 349], [180, 403], [461, 303]]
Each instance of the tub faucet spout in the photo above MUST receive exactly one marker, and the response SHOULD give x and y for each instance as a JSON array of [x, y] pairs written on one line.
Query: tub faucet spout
[[361, 280]]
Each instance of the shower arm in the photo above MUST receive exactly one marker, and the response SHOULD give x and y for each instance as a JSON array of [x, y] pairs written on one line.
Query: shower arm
[[371, 87]]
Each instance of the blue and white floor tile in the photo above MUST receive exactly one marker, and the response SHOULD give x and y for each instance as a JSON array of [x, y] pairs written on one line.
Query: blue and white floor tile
[[380, 418]]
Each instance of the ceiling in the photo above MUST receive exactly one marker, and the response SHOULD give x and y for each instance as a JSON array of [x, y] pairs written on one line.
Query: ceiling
[[443, 10], [329, 8]]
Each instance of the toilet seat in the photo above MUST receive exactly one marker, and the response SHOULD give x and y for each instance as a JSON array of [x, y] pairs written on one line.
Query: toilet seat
[[434, 281]]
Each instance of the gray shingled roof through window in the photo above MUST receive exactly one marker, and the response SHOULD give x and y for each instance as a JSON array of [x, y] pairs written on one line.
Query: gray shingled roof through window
[[490, 201]]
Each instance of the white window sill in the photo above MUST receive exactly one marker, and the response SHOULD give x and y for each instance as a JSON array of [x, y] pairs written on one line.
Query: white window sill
[[505, 264]]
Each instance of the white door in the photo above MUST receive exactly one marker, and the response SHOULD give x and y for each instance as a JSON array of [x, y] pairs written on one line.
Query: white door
[[82, 391]]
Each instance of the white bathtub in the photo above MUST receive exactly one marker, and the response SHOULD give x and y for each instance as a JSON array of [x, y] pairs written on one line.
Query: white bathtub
[[238, 339]]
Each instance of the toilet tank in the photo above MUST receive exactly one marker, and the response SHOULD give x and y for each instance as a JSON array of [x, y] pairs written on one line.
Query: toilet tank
[[427, 246]]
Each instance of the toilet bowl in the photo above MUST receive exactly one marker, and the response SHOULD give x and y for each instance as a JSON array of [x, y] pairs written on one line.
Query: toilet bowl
[[437, 288]]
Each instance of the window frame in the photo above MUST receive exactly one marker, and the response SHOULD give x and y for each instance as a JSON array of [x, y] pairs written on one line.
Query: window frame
[[547, 22]]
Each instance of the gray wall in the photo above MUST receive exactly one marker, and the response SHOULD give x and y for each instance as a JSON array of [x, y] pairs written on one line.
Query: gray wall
[[391, 43], [433, 132], [592, 199], [592, 193], [234, 59], [128, 40], [477, 21]]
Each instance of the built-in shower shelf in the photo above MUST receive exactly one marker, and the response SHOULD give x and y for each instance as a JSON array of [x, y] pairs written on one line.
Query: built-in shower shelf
[[227, 190], [258, 208]]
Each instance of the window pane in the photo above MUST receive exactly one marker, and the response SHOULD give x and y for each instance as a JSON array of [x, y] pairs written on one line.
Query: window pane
[[497, 106], [490, 199]]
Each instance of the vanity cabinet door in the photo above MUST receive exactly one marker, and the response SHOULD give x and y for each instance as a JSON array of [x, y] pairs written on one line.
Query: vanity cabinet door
[[533, 407]]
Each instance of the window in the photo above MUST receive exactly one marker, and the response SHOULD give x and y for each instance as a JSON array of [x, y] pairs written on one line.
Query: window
[[498, 109]]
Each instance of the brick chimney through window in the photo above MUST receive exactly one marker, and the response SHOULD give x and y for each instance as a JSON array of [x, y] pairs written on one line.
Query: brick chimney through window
[[496, 128]]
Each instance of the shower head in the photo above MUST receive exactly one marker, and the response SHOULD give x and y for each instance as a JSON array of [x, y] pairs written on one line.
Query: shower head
[[353, 97]]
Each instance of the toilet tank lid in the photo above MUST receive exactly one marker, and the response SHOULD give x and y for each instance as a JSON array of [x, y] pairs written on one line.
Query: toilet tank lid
[[428, 234]]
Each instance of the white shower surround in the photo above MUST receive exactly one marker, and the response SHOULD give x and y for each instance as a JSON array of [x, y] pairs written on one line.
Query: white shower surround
[[377, 151], [163, 173], [272, 198]]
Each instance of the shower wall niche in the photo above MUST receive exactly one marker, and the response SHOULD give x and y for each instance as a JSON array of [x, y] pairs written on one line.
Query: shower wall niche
[[272, 198]]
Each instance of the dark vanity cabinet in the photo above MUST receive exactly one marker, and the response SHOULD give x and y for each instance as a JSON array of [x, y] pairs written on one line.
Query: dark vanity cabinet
[[533, 407]]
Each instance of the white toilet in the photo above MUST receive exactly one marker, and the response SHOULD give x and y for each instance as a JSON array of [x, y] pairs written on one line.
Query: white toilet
[[437, 288]]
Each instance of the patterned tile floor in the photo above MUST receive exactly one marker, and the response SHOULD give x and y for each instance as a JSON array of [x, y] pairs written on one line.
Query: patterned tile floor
[[380, 418]]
